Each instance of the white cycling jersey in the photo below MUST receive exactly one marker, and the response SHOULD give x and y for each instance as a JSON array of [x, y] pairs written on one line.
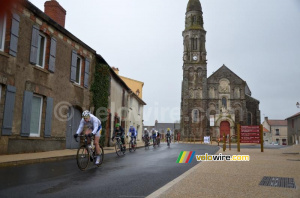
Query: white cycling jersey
[[94, 123]]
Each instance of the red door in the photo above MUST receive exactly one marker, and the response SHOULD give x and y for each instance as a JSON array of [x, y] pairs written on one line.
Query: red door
[[224, 129]]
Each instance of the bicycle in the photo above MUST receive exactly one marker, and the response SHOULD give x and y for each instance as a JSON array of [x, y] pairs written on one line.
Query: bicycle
[[146, 141], [157, 141], [154, 143], [87, 153], [132, 145], [119, 147], [168, 141]]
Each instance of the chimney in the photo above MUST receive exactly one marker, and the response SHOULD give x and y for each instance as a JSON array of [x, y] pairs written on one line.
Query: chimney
[[55, 12], [266, 119], [116, 70]]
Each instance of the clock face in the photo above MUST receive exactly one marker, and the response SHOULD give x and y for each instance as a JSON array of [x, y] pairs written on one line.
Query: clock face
[[195, 58]]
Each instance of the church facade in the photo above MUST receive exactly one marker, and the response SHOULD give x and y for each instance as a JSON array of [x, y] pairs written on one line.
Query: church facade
[[211, 105]]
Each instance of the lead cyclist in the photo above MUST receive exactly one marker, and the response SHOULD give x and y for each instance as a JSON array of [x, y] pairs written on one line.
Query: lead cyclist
[[94, 127]]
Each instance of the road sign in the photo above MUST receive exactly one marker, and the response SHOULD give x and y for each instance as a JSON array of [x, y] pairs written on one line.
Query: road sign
[[250, 134]]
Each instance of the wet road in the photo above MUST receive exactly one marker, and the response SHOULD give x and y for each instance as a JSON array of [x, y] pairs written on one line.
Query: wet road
[[136, 174]]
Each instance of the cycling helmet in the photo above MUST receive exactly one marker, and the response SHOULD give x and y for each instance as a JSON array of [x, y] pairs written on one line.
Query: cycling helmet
[[117, 125], [131, 126], [168, 129], [145, 129], [86, 113]]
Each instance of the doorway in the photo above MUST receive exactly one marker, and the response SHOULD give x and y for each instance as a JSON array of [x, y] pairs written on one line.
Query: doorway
[[74, 117], [224, 129]]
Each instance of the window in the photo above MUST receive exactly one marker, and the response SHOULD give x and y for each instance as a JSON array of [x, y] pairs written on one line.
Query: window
[[212, 120], [78, 70], [277, 131], [2, 32], [36, 113], [224, 102], [195, 116], [249, 119], [194, 43], [264, 134], [42, 41]]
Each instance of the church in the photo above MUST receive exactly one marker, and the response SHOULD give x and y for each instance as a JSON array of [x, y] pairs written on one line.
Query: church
[[211, 105]]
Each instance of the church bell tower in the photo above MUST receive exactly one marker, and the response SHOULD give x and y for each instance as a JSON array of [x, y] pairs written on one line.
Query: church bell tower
[[194, 122]]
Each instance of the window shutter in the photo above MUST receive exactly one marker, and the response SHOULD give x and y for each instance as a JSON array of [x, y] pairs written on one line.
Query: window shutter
[[73, 66], [26, 113], [8, 110], [52, 55], [34, 44], [14, 36], [48, 120], [86, 73]]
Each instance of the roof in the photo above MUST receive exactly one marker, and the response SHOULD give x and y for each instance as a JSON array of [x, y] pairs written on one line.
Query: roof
[[224, 67], [167, 125], [117, 77], [132, 79], [277, 122], [297, 114], [193, 5], [266, 130]]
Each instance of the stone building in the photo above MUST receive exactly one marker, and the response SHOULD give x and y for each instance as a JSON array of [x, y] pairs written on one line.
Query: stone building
[[46, 74], [210, 105], [277, 130], [293, 124], [45, 77]]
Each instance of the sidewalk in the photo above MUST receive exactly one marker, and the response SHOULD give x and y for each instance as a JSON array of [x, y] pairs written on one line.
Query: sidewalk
[[30, 158], [238, 179]]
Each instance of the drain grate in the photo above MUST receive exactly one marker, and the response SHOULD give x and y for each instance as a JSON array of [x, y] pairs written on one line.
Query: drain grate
[[278, 182]]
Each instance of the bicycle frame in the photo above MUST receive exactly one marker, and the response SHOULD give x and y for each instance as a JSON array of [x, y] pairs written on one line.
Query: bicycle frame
[[119, 146], [87, 153]]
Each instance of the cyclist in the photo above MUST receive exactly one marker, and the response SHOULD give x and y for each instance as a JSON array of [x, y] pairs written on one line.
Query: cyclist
[[153, 132], [133, 133], [93, 127], [168, 135], [158, 137], [119, 132], [146, 136]]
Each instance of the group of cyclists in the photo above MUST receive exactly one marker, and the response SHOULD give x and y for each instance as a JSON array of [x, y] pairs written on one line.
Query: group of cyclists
[[155, 136], [91, 125]]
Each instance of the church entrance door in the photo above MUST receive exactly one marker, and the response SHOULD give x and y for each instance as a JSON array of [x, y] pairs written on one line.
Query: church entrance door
[[224, 129]]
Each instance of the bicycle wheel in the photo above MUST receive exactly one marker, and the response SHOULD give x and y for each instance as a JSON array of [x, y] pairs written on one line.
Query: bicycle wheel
[[130, 147], [134, 146], [101, 156], [83, 157], [118, 149]]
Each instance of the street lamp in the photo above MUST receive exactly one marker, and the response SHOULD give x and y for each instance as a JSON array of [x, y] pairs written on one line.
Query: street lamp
[[298, 105]]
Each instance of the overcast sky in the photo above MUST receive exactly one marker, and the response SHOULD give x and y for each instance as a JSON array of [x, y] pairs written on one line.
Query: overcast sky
[[259, 40]]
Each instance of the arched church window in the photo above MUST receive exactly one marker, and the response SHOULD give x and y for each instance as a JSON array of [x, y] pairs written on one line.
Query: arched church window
[[249, 120], [195, 19], [195, 43], [224, 102], [195, 115]]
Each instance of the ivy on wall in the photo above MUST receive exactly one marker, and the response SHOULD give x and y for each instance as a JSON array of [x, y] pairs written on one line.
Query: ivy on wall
[[100, 89]]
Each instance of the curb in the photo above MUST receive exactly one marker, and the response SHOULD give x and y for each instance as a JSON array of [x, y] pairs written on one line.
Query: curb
[[34, 161], [50, 159]]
